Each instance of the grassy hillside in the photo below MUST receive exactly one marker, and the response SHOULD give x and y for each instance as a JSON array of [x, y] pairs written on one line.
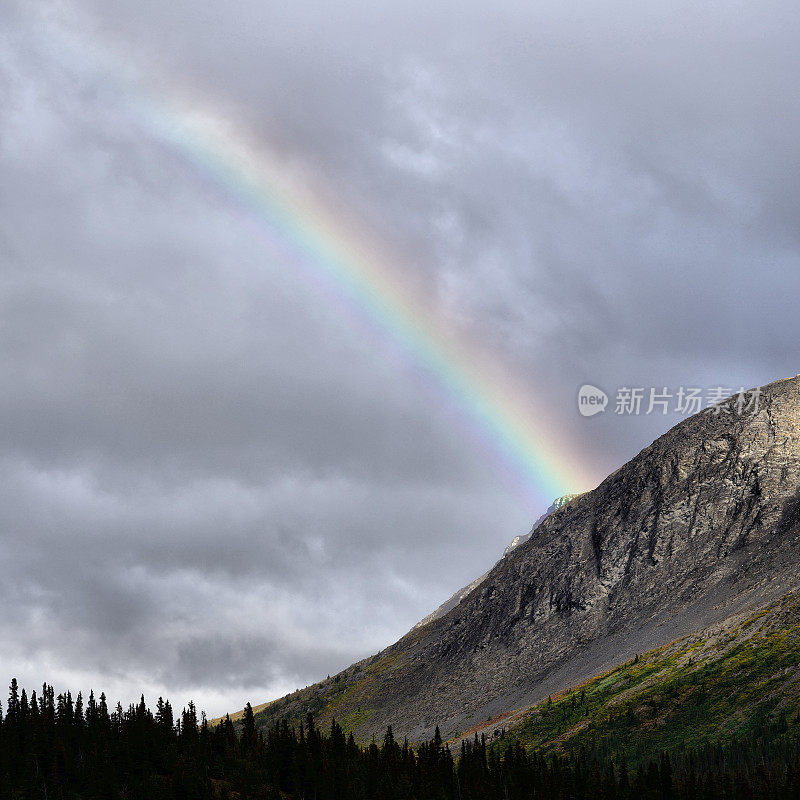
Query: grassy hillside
[[715, 687], [345, 697]]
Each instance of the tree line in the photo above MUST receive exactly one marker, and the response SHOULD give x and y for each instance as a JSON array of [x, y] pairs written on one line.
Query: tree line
[[65, 748]]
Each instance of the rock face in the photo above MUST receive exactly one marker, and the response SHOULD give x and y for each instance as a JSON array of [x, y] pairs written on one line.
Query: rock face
[[703, 523]]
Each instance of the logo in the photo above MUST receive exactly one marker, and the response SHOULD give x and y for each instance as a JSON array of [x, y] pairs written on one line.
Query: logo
[[591, 400]]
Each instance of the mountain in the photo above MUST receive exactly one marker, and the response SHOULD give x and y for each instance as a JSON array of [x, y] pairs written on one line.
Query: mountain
[[701, 526], [458, 596]]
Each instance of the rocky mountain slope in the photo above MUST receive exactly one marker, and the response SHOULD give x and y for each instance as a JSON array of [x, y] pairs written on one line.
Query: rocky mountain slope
[[701, 525]]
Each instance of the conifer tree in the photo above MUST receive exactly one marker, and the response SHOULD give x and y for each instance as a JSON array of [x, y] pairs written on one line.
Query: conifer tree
[[248, 729], [12, 712]]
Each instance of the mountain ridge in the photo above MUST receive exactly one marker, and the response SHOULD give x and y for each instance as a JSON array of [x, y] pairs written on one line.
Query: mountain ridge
[[464, 591], [701, 524]]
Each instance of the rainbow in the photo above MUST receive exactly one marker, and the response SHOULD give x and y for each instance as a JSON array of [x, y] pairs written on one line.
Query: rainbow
[[500, 413]]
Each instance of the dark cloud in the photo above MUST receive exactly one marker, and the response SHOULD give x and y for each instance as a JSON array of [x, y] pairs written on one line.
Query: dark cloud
[[215, 478]]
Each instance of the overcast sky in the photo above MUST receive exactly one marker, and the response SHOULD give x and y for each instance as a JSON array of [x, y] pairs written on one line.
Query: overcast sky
[[217, 479]]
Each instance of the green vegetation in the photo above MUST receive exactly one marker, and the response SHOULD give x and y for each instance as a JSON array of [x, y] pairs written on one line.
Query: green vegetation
[[688, 694], [347, 697]]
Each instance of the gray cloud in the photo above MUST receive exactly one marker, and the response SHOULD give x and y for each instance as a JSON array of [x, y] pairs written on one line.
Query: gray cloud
[[219, 481]]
